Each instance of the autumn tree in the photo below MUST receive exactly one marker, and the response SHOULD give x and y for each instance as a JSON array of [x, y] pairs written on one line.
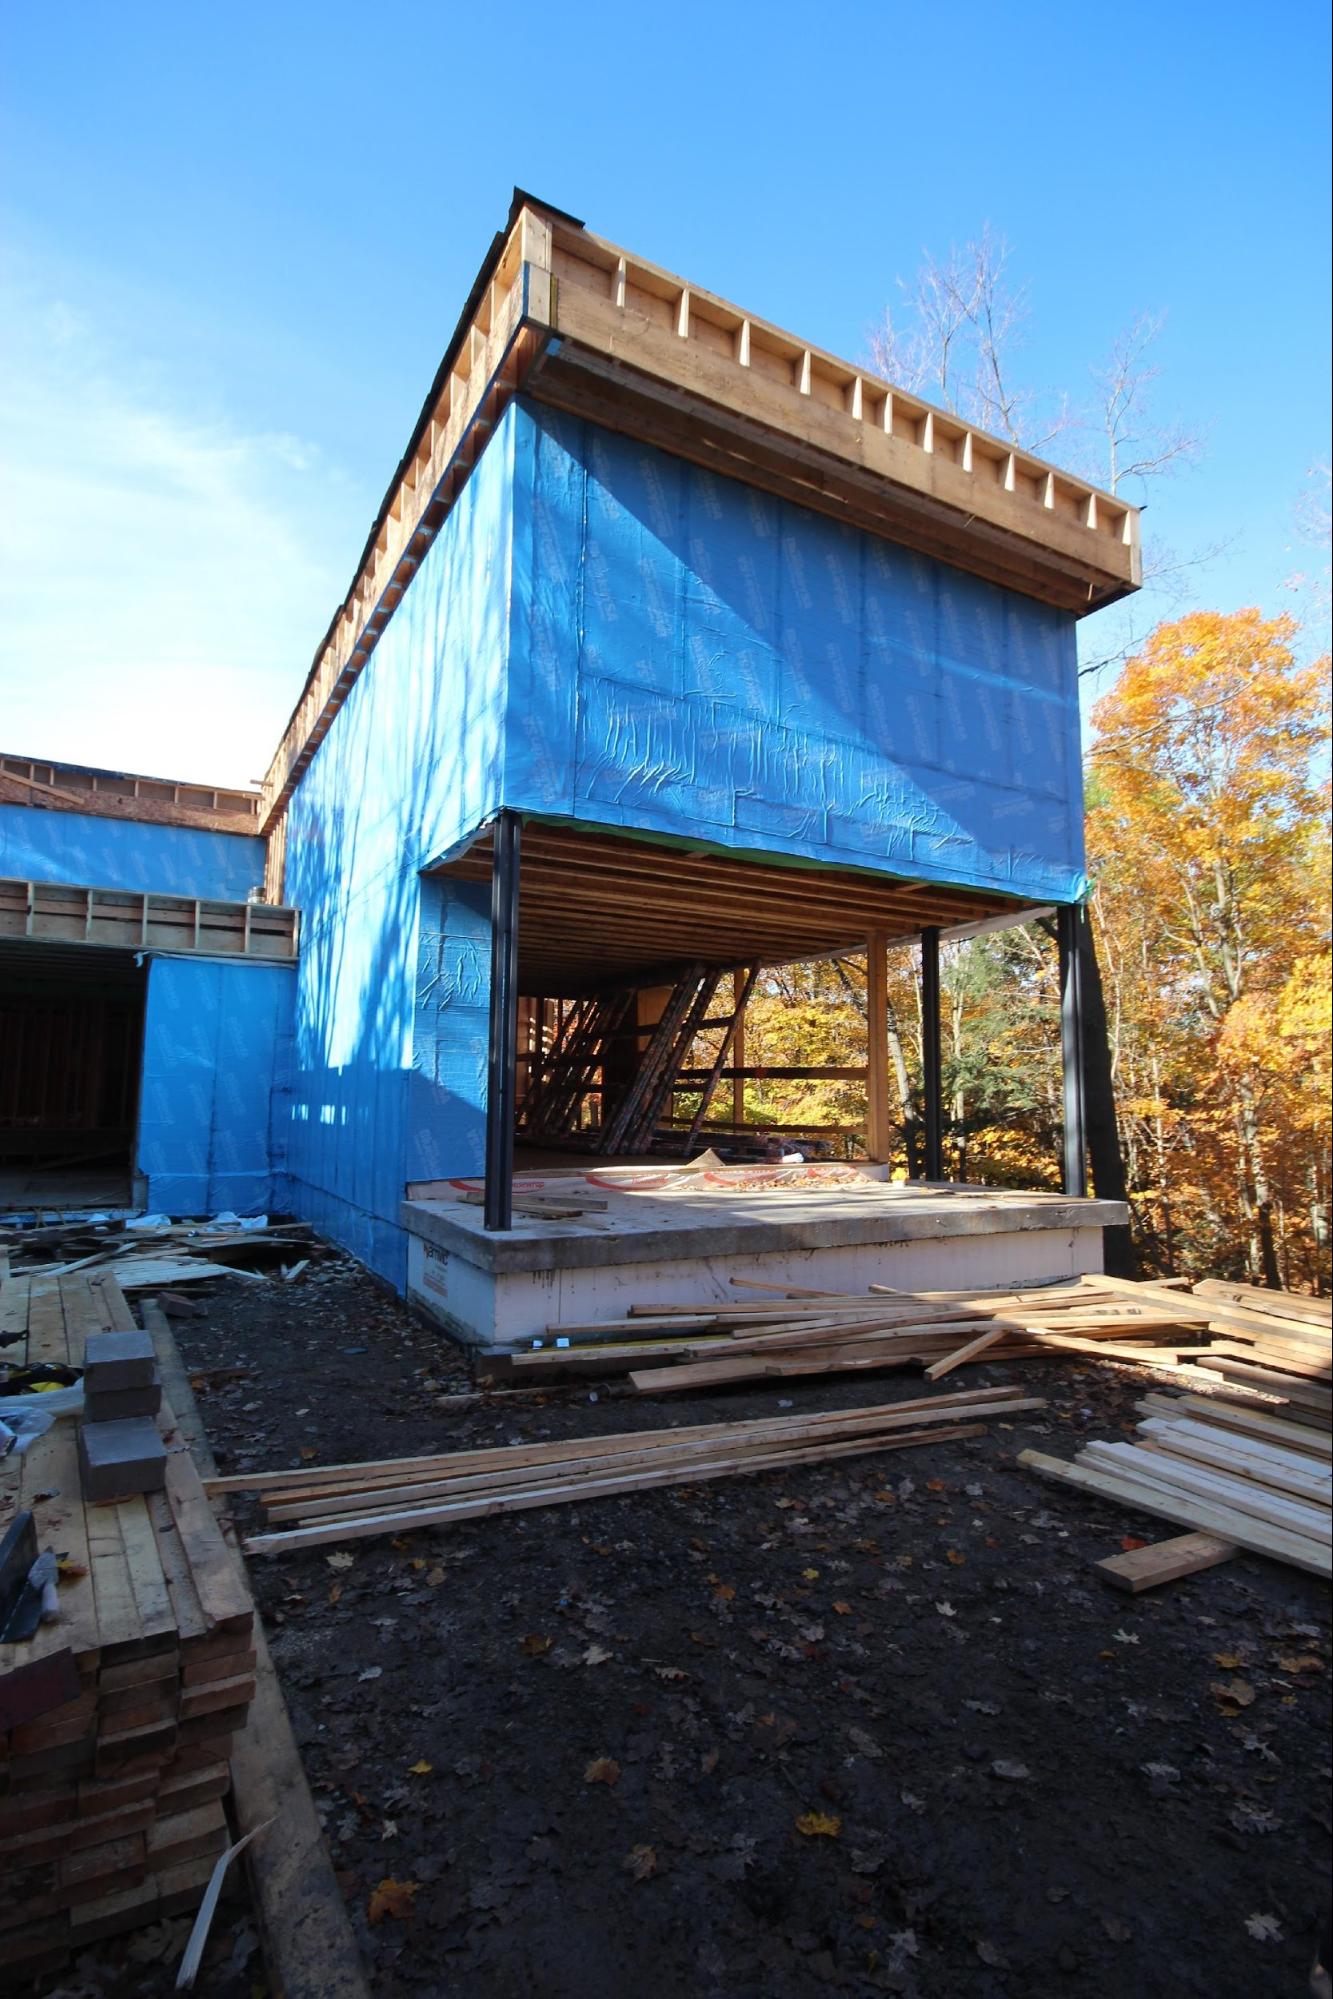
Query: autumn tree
[[1208, 837]]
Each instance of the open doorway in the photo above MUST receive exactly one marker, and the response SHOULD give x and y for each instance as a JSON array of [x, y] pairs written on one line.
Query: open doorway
[[71, 1056]]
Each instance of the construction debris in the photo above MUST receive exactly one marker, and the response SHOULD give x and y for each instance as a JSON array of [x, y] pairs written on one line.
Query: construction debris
[[673, 1348], [1222, 1462], [351, 1502]]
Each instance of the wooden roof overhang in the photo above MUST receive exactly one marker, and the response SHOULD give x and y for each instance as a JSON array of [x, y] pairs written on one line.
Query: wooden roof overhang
[[573, 320], [598, 909]]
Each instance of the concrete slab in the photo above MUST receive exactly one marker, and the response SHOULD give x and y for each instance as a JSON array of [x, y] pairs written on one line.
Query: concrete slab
[[667, 1236]]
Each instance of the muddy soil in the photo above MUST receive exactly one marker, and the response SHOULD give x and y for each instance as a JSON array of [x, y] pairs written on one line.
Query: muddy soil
[[873, 1727]]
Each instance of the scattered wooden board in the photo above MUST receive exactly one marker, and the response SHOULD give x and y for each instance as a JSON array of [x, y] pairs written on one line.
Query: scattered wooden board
[[1163, 1562]]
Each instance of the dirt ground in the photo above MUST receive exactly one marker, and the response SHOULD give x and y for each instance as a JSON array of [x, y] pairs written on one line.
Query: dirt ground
[[870, 1727]]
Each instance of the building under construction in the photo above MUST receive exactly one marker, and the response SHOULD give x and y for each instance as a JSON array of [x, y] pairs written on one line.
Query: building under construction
[[679, 648]]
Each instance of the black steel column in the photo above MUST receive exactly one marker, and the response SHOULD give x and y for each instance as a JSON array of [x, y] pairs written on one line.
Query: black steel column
[[1068, 917], [502, 1056], [932, 1054]]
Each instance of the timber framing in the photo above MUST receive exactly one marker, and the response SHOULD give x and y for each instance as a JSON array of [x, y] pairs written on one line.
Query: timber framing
[[129, 920], [598, 909], [118, 794], [579, 323]]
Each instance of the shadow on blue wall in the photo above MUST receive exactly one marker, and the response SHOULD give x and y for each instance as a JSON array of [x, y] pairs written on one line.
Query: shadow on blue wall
[[91, 852], [693, 656]]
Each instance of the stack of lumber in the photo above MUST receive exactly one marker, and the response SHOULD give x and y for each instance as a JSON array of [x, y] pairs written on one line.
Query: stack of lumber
[[116, 1721], [1268, 1342], [322, 1504], [1221, 1465], [766, 1333]]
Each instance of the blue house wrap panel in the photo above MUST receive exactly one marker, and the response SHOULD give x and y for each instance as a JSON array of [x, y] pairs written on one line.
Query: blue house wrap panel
[[37, 845], [217, 1048], [693, 657], [385, 1084], [603, 633]]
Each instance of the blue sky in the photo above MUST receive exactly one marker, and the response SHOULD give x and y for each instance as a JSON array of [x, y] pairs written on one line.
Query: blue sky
[[236, 242]]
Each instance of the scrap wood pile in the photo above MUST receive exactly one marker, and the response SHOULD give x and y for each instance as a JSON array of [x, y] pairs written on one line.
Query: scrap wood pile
[[1247, 1462], [672, 1348], [152, 1253], [320, 1504], [117, 1719]]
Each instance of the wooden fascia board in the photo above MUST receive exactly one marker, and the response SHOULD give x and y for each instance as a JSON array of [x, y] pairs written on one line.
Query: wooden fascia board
[[619, 344]]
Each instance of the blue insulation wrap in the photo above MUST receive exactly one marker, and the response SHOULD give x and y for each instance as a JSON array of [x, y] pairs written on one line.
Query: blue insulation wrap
[[604, 633], [92, 852], [216, 1048], [691, 656], [412, 762]]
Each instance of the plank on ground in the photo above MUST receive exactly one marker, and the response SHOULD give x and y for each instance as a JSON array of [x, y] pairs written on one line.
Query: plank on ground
[[578, 1489], [1255, 1536], [308, 1944], [1163, 1562]]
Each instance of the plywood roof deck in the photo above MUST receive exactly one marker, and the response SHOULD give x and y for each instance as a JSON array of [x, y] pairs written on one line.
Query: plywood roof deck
[[598, 910], [573, 320], [118, 794]]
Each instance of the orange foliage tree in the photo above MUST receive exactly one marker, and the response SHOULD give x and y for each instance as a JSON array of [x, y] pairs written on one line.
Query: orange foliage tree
[[1208, 841]]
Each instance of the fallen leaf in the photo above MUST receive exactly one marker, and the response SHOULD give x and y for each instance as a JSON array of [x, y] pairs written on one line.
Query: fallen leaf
[[1228, 1661], [392, 1898], [372, 1673], [1124, 1638], [1238, 1691], [307, 1452], [435, 1578], [1129, 1542], [819, 1825], [952, 1555], [335, 1592], [936, 1485], [534, 1645], [421, 1769], [671, 1673], [641, 1862], [342, 1560], [596, 1655], [1266, 1929], [1304, 1663], [843, 1609], [602, 1770], [946, 1610], [811, 1575], [723, 1592]]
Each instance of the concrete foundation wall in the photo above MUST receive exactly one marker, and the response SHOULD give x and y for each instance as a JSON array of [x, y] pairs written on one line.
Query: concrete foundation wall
[[499, 1310]]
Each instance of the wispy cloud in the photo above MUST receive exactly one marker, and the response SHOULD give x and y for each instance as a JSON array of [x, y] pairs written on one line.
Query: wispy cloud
[[167, 570]]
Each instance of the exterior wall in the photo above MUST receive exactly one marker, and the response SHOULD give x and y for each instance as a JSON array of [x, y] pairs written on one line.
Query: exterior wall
[[217, 1046], [391, 987], [693, 657], [92, 852], [604, 633]]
